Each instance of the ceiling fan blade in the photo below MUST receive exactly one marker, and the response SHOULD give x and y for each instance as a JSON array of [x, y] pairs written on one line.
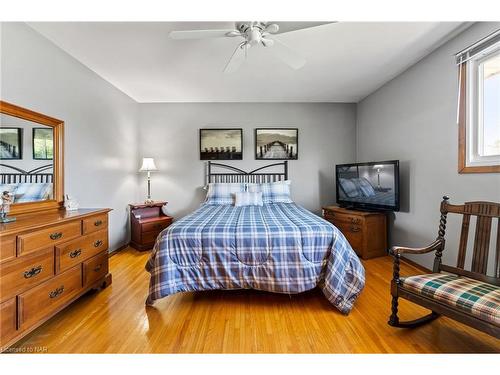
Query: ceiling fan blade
[[236, 59], [202, 34], [287, 55], [286, 27]]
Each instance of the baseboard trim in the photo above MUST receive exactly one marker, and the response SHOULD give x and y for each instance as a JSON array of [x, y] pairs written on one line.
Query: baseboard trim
[[116, 251]]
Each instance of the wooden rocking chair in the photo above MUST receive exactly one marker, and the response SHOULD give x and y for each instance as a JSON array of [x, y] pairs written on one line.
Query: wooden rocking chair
[[468, 296]]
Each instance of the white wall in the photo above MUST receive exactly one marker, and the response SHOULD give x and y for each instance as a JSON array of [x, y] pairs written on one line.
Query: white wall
[[169, 133], [100, 121], [413, 118]]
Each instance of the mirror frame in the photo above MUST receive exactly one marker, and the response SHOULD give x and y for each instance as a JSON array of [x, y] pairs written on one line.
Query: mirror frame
[[58, 167]]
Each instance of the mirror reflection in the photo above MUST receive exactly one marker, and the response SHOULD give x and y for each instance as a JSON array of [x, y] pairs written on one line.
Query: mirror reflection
[[26, 160]]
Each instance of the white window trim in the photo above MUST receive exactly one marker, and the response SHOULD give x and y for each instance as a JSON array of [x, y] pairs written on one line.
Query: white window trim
[[474, 116]]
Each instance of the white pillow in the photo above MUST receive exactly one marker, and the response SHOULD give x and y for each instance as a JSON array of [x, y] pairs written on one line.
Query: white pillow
[[248, 199]]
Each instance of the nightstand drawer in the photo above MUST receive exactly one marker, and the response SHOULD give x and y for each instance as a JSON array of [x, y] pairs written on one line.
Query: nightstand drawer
[[149, 237], [95, 223], [48, 237], [21, 273], [157, 225]]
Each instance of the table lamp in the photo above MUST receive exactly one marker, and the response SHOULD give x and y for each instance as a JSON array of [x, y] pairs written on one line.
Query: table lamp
[[148, 165]]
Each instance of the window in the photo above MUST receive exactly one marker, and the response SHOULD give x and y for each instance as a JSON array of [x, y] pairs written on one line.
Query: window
[[479, 107]]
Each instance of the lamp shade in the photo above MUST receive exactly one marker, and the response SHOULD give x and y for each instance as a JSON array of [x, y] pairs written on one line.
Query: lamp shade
[[148, 165]]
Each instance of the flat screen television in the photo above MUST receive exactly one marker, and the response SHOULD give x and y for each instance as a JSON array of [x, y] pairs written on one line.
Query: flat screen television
[[368, 186]]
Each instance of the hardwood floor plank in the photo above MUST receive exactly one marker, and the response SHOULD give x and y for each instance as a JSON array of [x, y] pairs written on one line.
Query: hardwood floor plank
[[115, 320]]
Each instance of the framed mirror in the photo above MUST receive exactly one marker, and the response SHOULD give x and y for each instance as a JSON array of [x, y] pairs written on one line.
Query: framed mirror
[[31, 159]]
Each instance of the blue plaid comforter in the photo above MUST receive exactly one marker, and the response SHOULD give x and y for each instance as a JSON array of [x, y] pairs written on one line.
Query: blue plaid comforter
[[278, 247]]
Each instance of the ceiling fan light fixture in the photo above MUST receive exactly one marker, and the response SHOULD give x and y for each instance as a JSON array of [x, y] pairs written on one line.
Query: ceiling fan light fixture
[[272, 28]]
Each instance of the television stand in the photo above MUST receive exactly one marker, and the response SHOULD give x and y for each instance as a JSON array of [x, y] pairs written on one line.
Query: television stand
[[366, 232]]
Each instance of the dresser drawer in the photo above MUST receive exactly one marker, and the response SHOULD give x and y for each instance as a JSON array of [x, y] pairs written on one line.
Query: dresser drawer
[[47, 237], [95, 268], [44, 299], [7, 321], [7, 248], [354, 235], [343, 218], [21, 273], [94, 223], [157, 225], [74, 252]]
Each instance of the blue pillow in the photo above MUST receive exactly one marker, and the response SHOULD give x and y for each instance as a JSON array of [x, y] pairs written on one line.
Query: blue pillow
[[223, 193], [274, 192]]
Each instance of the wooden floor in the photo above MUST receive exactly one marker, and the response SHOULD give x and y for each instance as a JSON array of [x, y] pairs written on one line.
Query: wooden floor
[[115, 320]]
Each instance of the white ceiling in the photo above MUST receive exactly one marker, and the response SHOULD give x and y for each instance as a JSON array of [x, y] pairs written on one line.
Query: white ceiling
[[345, 61]]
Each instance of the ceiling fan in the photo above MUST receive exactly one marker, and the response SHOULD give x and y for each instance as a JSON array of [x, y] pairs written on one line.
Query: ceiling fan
[[254, 34]]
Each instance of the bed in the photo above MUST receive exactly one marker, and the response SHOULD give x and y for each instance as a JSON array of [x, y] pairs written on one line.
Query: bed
[[27, 186], [279, 247]]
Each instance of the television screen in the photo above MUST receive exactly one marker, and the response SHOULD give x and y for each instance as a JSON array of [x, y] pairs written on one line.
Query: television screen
[[373, 185]]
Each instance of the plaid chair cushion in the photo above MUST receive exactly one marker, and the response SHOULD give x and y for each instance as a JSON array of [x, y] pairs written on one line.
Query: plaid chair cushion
[[477, 298]]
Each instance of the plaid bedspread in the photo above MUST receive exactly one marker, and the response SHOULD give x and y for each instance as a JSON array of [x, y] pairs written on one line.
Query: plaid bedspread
[[279, 248]]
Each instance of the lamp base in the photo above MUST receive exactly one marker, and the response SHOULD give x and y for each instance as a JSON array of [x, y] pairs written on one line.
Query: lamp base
[[149, 201]]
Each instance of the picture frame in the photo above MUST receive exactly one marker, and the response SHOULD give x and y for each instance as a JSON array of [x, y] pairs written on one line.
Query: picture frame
[[43, 143], [11, 143], [221, 144], [276, 143]]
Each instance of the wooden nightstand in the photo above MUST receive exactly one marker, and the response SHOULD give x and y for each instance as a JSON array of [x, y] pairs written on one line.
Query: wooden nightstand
[[146, 222], [365, 231]]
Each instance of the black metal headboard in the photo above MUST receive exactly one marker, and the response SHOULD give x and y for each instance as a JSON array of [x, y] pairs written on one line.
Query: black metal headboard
[[241, 176], [37, 175]]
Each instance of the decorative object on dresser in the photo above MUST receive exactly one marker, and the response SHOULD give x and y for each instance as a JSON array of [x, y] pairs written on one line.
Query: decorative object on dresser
[[365, 231], [472, 296], [146, 222], [148, 165], [47, 260]]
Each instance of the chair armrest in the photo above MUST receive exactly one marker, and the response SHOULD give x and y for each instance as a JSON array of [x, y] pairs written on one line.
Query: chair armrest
[[398, 250]]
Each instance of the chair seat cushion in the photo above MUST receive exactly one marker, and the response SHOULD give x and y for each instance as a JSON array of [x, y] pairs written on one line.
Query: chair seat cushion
[[476, 298]]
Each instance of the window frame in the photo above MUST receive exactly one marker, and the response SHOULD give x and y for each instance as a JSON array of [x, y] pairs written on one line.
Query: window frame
[[469, 117]]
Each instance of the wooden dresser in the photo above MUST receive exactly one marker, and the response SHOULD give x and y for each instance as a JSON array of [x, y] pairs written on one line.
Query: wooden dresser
[[146, 222], [47, 260], [365, 231]]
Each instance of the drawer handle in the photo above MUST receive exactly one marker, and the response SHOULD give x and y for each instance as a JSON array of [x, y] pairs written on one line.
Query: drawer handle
[[75, 253], [355, 229], [32, 272], [98, 243], [355, 220], [56, 235], [98, 268], [56, 292], [97, 223]]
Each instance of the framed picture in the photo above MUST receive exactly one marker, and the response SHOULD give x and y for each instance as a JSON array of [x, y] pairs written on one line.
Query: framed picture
[[221, 144], [43, 144], [276, 143], [11, 143]]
